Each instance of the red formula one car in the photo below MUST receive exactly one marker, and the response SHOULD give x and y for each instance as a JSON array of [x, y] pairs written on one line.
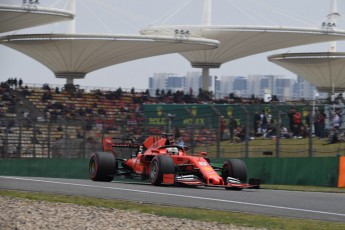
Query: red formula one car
[[160, 161]]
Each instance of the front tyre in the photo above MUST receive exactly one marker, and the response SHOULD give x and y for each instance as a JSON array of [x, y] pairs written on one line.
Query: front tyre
[[161, 165], [234, 168], [102, 166]]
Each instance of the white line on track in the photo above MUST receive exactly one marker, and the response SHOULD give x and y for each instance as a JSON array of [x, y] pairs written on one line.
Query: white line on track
[[177, 195]]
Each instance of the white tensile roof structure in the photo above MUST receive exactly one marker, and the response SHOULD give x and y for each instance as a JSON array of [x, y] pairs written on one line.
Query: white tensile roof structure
[[15, 17], [325, 69], [72, 56], [241, 41]]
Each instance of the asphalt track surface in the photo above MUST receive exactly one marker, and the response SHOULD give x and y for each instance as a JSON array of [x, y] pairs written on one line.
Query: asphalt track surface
[[306, 205]]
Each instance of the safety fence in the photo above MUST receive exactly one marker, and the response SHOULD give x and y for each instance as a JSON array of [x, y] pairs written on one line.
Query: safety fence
[[317, 171], [221, 130]]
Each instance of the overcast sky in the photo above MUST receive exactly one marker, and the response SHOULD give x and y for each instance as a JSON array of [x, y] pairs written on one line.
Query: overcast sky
[[129, 16]]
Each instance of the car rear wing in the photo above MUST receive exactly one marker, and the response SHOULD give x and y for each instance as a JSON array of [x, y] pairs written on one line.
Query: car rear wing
[[108, 143]]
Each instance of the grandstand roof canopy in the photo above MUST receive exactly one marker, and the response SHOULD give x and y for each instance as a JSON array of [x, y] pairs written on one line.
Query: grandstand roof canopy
[[325, 70], [15, 17], [241, 41], [74, 55]]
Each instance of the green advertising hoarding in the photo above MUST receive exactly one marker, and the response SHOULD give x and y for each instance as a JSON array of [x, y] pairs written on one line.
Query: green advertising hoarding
[[207, 115]]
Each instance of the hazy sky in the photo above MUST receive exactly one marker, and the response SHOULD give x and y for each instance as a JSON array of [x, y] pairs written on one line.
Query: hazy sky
[[129, 16]]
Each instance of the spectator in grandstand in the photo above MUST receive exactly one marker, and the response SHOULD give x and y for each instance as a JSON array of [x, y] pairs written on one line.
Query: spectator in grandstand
[[232, 127], [269, 118], [170, 137], [305, 126], [275, 98], [53, 114], [180, 142], [102, 112], [57, 90], [25, 92], [37, 130], [271, 131], [319, 123], [221, 127], [339, 99], [336, 120], [256, 121], [263, 122], [10, 82], [294, 122], [59, 128], [290, 116], [177, 133], [88, 124], [80, 134], [88, 111], [34, 140], [78, 94], [297, 123], [46, 96], [15, 82], [124, 108], [334, 133], [284, 132], [20, 83], [81, 112], [46, 87], [240, 134]]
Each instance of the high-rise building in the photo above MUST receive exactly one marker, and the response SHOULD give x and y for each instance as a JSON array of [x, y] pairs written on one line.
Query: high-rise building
[[303, 89], [284, 88], [193, 82], [165, 81]]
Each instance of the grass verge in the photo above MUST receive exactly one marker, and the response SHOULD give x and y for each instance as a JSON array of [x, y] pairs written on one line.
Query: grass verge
[[238, 219], [303, 188]]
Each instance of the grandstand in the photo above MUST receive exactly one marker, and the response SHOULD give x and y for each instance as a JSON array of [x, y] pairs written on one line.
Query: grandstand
[[35, 118], [54, 122]]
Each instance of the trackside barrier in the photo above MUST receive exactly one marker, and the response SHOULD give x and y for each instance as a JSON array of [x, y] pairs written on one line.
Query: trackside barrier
[[57, 168], [316, 171], [341, 180]]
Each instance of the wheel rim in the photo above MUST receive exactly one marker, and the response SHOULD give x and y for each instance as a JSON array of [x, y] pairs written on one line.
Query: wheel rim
[[154, 170], [226, 173], [92, 167]]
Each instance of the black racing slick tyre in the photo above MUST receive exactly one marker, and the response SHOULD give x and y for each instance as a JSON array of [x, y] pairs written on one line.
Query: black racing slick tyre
[[235, 168], [102, 166], [159, 166]]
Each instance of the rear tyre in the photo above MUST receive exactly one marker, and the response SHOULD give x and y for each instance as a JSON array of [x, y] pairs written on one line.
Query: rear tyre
[[102, 166], [161, 165], [235, 168]]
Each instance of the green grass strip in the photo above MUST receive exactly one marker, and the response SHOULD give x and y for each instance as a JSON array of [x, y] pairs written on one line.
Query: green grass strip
[[303, 188], [235, 218]]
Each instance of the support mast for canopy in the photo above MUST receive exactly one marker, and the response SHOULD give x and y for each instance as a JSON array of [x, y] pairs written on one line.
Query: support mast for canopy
[[71, 25], [71, 30], [206, 20], [332, 19]]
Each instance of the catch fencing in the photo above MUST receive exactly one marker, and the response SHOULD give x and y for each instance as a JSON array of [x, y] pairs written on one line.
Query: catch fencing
[[221, 130]]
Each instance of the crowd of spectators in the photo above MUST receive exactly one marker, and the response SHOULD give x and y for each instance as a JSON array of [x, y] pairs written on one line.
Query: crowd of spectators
[[8, 100], [129, 110]]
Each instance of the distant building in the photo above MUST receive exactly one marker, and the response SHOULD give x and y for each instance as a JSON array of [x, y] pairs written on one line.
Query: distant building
[[285, 88], [303, 89], [165, 81], [193, 81], [237, 85]]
